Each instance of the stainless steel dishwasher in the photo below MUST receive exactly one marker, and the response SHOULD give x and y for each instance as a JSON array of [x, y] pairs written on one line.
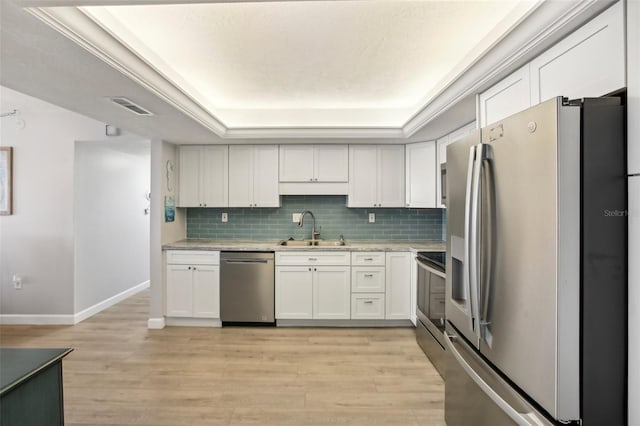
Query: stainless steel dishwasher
[[247, 289]]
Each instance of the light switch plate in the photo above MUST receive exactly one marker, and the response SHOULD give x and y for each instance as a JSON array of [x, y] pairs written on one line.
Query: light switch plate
[[296, 217], [372, 218], [225, 218]]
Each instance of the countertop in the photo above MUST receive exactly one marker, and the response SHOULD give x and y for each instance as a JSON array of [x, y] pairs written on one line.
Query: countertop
[[272, 245]]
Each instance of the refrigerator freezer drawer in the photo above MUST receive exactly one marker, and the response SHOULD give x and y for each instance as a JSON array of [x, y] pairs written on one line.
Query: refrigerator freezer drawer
[[475, 394]]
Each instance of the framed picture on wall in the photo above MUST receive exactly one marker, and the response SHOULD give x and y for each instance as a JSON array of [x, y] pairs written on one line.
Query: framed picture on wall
[[6, 192]]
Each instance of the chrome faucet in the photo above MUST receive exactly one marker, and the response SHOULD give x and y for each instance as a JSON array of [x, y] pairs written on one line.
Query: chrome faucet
[[314, 234]]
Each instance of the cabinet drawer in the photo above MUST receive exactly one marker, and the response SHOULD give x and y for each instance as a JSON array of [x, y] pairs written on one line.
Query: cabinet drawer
[[367, 279], [361, 258], [367, 306], [193, 257], [293, 258]]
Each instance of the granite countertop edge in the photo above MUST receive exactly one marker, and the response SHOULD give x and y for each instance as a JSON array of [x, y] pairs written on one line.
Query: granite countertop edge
[[273, 245]]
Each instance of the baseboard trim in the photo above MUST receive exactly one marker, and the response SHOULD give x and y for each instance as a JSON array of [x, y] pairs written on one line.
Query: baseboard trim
[[107, 303], [342, 323], [193, 322], [36, 319], [72, 319], [156, 323]]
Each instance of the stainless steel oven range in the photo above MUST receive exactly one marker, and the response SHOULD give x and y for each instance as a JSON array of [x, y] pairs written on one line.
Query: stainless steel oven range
[[430, 306]]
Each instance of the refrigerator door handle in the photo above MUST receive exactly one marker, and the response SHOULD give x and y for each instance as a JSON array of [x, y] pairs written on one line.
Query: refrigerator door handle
[[488, 221], [524, 419], [467, 236], [474, 253]]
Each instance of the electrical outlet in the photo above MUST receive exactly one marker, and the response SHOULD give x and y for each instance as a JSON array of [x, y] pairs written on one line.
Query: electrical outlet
[[372, 218], [17, 282], [225, 218], [296, 217]]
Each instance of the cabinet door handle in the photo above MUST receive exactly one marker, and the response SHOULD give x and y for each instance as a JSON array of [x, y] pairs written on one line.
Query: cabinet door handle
[[315, 269], [309, 269], [194, 268], [189, 268], [368, 302]]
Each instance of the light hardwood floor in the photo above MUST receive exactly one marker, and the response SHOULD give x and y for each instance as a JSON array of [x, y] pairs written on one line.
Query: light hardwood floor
[[121, 373]]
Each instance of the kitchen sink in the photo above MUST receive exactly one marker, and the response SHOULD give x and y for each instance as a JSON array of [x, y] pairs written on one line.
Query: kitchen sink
[[329, 243], [294, 243], [309, 243]]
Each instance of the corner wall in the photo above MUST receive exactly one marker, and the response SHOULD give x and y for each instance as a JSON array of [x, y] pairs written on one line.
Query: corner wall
[[164, 183]]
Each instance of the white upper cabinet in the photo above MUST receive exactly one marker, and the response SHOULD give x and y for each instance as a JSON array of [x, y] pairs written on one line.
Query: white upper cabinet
[[376, 176], [363, 176], [203, 176], [314, 163], [509, 96], [421, 174], [589, 62], [633, 92], [296, 163], [314, 169], [441, 145], [253, 176], [331, 163]]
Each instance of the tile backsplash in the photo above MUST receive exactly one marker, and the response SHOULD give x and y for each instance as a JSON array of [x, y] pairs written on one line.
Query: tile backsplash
[[333, 218]]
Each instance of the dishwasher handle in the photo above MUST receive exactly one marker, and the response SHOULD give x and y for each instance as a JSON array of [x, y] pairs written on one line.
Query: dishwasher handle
[[245, 261]]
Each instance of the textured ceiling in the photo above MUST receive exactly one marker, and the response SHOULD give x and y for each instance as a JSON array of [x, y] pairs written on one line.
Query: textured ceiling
[[312, 63]]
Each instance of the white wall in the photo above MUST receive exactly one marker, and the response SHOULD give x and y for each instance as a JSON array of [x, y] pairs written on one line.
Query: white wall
[[37, 240], [162, 232], [112, 179], [633, 151]]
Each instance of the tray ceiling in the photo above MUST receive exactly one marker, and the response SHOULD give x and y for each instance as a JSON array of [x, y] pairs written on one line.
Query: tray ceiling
[[310, 64]]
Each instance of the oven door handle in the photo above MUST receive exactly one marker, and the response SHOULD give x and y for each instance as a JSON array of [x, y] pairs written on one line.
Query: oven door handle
[[430, 269]]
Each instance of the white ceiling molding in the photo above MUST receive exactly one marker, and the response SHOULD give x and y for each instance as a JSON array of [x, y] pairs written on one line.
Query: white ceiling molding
[[75, 25], [545, 25], [334, 133], [551, 21]]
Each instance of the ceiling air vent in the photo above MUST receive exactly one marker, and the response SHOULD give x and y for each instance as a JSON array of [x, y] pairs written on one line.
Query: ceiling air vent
[[126, 103]]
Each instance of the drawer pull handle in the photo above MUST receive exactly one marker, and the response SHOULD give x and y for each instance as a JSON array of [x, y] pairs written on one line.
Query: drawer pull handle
[[368, 259], [368, 302], [368, 275], [313, 258]]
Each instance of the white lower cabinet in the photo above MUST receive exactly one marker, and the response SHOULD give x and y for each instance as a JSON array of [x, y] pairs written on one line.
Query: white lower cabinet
[[367, 306], [367, 279], [294, 292], [323, 285], [313, 285], [398, 286], [331, 292], [193, 289], [179, 291]]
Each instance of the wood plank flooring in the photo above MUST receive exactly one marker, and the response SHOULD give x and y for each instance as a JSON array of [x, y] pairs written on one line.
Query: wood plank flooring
[[121, 373]]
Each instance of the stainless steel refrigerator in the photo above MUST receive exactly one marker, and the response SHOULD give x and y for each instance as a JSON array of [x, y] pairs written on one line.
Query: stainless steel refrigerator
[[536, 299]]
